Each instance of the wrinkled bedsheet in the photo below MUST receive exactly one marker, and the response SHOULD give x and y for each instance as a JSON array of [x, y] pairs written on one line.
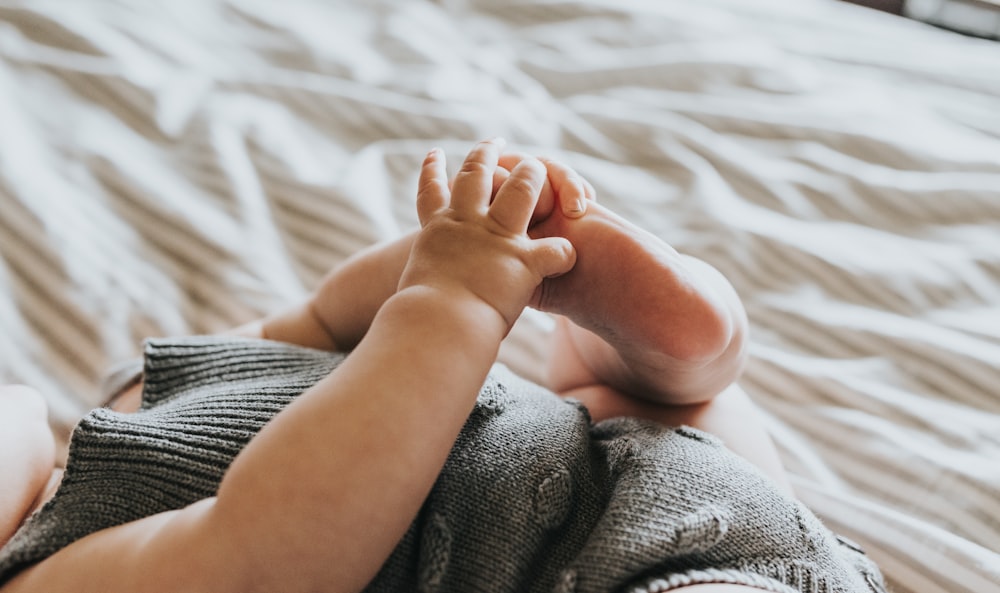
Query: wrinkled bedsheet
[[169, 168]]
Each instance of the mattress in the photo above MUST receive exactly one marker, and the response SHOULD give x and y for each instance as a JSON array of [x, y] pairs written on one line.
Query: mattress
[[184, 167]]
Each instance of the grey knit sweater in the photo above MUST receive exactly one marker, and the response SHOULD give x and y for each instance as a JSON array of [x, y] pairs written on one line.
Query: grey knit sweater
[[534, 498]]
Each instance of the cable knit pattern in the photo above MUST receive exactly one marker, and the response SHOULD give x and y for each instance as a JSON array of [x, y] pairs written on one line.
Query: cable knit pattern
[[533, 498]]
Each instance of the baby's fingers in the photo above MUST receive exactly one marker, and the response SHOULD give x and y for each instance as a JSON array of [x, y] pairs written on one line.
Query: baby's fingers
[[499, 176], [552, 256], [515, 200], [473, 185], [546, 199], [573, 191], [432, 189]]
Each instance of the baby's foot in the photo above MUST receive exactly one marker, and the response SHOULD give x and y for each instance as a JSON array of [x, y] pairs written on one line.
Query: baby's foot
[[646, 320]]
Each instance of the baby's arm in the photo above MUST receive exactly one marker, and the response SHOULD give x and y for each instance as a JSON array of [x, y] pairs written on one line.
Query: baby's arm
[[342, 471], [364, 446]]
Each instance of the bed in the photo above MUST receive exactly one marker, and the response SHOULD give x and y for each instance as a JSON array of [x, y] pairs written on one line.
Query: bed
[[183, 167]]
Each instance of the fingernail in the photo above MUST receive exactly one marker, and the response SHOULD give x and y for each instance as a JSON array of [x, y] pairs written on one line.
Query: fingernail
[[579, 205], [434, 152], [498, 140]]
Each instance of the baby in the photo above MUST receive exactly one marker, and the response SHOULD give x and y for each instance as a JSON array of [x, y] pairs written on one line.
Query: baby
[[415, 463]]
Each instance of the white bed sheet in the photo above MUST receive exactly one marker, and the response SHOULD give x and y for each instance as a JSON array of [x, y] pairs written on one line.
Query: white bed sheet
[[182, 167]]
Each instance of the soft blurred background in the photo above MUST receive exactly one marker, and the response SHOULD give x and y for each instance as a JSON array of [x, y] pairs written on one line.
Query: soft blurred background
[[183, 167]]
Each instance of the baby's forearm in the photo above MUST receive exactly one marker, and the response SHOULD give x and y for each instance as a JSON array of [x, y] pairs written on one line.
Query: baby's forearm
[[349, 463]]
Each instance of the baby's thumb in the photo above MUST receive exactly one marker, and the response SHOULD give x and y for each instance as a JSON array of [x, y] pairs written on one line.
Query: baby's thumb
[[553, 256]]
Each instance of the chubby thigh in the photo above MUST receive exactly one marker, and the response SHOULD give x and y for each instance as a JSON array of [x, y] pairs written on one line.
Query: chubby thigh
[[27, 454]]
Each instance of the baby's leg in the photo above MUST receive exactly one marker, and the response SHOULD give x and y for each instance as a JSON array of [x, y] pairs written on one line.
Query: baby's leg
[[27, 454], [647, 332], [650, 322], [336, 316], [339, 313], [731, 415]]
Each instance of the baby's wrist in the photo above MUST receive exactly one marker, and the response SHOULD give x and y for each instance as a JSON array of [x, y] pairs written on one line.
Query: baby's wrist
[[456, 303]]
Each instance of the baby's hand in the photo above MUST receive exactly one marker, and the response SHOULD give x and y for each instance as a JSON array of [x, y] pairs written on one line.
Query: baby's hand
[[564, 187], [472, 248]]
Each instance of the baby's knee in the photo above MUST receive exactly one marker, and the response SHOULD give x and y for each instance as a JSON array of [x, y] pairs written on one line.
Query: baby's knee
[[24, 413], [23, 402]]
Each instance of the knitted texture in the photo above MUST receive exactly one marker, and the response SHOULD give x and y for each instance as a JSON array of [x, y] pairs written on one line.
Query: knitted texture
[[533, 498]]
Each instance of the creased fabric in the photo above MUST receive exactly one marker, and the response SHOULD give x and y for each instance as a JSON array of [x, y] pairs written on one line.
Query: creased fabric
[[184, 167]]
